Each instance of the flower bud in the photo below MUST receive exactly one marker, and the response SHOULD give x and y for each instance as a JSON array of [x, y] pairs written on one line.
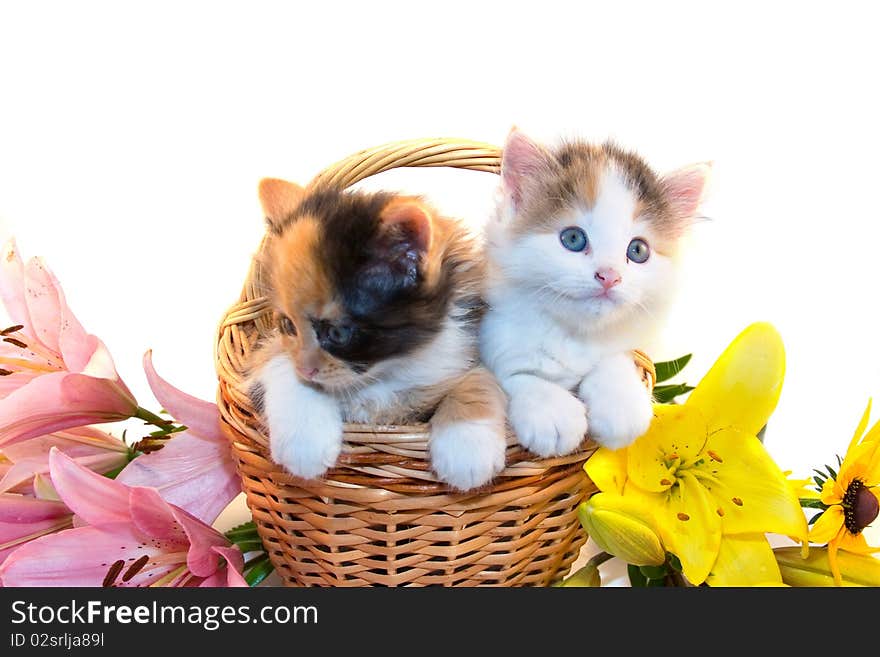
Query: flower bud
[[619, 528], [586, 576], [855, 569]]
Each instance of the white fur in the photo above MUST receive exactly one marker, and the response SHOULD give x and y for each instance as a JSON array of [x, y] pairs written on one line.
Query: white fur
[[547, 419], [620, 407], [305, 425], [544, 321], [467, 454]]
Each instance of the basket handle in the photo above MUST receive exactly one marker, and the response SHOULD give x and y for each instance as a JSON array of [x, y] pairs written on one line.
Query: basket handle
[[433, 152]]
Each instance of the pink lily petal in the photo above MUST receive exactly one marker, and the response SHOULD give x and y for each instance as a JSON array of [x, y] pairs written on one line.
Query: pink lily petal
[[80, 557], [234, 566], [60, 400], [192, 472], [12, 287], [93, 497], [90, 447], [23, 509], [202, 559], [200, 416], [153, 516], [24, 518], [44, 303]]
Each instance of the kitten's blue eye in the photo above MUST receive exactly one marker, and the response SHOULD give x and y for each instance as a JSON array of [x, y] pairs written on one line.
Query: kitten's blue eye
[[339, 335], [573, 238], [638, 250]]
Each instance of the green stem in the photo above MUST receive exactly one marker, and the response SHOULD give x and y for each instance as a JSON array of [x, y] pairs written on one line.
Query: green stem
[[599, 559], [151, 418]]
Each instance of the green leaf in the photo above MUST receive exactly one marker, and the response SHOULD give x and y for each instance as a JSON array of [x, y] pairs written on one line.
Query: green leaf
[[249, 545], [654, 572], [656, 582], [810, 503], [636, 579], [673, 561], [665, 394], [815, 517], [819, 482], [261, 569], [249, 528], [669, 368], [832, 471]]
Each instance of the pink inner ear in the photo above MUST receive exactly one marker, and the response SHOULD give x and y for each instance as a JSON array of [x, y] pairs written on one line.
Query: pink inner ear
[[684, 188], [279, 198], [520, 159], [414, 219]]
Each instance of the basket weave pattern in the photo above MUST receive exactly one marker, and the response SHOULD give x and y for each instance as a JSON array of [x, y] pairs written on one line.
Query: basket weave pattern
[[380, 517]]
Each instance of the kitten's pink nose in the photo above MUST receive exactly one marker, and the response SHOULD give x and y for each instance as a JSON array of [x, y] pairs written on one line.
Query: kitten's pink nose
[[307, 373], [608, 277]]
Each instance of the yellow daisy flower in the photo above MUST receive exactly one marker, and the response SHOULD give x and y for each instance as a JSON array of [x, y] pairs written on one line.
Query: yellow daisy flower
[[852, 497]]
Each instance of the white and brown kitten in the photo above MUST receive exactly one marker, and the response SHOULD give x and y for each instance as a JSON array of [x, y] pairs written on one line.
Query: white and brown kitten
[[582, 262], [378, 299]]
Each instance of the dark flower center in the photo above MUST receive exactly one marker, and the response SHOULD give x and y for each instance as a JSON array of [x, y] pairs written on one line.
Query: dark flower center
[[860, 506]]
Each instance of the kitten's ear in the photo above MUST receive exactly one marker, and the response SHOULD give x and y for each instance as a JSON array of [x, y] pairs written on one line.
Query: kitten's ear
[[684, 188], [397, 251], [279, 199], [407, 222], [521, 159]]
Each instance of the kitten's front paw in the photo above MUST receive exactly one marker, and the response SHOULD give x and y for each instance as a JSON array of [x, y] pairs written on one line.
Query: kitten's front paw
[[547, 419], [618, 414], [467, 454], [307, 442]]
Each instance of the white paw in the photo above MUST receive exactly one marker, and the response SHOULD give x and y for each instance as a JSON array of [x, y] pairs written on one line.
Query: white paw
[[305, 425], [308, 443], [619, 408], [467, 454], [548, 420]]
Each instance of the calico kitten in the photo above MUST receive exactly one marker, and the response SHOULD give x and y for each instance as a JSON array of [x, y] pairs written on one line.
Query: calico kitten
[[581, 267], [378, 299]]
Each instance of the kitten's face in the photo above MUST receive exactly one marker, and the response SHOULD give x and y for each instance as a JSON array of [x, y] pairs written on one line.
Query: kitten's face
[[347, 273], [590, 230]]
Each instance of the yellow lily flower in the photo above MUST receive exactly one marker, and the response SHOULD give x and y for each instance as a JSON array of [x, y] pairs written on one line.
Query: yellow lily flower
[[701, 473], [852, 497]]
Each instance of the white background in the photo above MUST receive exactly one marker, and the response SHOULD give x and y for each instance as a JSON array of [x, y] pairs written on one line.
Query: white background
[[132, 139]]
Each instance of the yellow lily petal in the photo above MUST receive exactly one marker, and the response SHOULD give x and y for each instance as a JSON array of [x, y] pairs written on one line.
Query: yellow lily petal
[[623, 527], [677, 435], [744, 560], [607, 469], [689, 527], [827, 526], [748, 487], [743, 386]]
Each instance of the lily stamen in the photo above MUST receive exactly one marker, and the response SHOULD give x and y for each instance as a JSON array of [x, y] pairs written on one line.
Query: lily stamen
[[714, 456], [12, 329], [16, 342], [115, 568], [135, 568], [737, 501]]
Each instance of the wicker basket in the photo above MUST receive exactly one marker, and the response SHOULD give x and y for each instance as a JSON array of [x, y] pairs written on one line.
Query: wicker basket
[[380, 517]]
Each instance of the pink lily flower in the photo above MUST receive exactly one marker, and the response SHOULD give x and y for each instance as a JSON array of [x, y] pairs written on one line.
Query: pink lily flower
[[53, 375], [194, 470], [22, 461], [133, 538]]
